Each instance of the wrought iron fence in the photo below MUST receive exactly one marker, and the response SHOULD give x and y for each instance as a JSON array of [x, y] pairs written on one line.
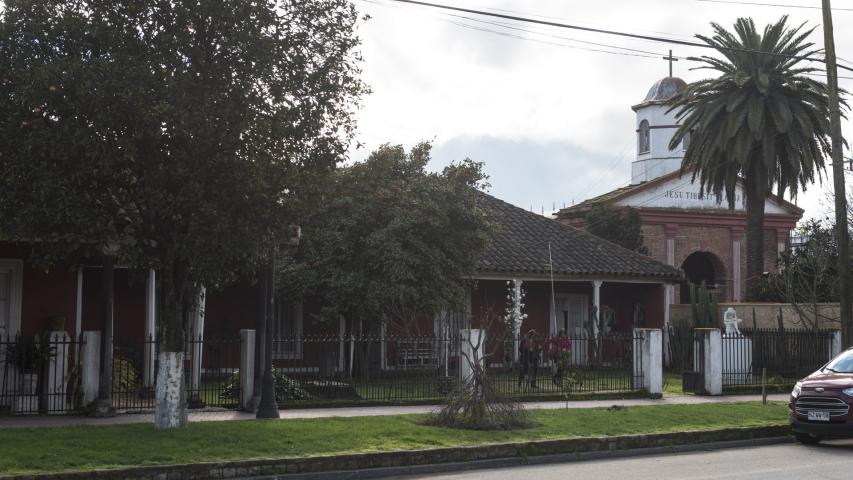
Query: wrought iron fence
[[427, 368], [785, 356], [213, 381], [39, 374]]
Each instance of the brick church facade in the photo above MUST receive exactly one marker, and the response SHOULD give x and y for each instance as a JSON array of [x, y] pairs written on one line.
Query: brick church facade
[[697, 233]]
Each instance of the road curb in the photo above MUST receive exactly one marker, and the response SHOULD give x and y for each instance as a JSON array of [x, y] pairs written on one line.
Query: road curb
[[374, 473], [384, 464]]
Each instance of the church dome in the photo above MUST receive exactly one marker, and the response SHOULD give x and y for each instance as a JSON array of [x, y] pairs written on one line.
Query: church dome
[[664, 89]]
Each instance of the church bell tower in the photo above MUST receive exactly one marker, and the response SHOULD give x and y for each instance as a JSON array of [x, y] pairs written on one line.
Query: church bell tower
[[655, 128]]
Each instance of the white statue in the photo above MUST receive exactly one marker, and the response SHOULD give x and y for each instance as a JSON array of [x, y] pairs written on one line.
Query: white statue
[[731, 321]]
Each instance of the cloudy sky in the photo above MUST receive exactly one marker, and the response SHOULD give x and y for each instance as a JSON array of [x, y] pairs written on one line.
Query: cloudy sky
[[550, 118]]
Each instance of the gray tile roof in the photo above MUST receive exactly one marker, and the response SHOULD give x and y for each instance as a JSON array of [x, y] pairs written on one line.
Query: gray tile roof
[[521, 242]]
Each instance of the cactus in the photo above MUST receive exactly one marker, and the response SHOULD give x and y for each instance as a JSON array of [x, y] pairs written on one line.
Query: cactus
[[703, 307], [754, 322]]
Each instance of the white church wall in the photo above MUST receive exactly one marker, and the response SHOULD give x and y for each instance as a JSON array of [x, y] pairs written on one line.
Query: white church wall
[[681, 193]]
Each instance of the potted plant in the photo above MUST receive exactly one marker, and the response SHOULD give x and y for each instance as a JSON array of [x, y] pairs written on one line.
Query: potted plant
[[29, 355]]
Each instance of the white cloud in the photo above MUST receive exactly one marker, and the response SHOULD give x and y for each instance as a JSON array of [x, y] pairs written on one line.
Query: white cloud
[[433, 79]]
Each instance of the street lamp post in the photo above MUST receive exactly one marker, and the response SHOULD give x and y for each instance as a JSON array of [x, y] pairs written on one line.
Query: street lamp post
[[268, 406]]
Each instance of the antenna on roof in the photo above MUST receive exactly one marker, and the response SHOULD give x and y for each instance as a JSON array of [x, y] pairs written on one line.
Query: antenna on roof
[[553, 302]]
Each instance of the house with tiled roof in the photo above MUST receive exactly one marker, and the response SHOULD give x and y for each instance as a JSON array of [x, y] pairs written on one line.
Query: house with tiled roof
[[567, 276]]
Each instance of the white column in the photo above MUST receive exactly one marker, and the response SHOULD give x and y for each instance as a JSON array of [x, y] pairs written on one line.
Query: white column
[[667, 299], [150, 329], [516, 317], [91, 365], [383, 348], [198, 343], [671, 231], [713, 361], [343, 330], [78, 310], [57, 372], [737, 287], [247, 368], [596, 303]]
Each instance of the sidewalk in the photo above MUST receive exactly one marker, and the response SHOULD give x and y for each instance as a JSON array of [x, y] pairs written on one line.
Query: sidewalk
[[228, 415]]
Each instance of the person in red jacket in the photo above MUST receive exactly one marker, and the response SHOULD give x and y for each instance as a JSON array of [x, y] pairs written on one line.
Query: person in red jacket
[[559, 349], [529, 351]]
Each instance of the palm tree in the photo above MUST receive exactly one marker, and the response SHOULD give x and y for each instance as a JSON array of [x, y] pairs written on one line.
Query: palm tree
[[763, 121]]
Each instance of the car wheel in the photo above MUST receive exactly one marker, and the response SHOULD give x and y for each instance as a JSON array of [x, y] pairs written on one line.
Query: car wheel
[[807, 439]]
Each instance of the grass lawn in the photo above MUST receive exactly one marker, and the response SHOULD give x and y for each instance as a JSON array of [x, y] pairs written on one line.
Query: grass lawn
[[673, 383], [575, 382], [86, 447]]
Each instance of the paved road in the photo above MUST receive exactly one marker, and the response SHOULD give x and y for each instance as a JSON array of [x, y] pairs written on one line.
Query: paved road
[[830, 460], [226, 415]]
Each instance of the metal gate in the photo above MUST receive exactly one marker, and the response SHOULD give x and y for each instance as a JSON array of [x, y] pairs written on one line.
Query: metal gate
[[693, 380]]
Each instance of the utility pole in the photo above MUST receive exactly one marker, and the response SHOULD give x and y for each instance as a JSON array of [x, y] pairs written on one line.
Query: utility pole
[[841, 231]]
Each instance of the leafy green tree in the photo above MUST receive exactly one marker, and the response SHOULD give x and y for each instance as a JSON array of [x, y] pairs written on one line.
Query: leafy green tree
[[170, 135], [621, 226], [808, 275], [763, 120], [392, 241]]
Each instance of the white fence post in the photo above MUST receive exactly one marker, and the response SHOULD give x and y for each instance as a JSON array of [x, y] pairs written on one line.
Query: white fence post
[[247, 369], [653, 374], [648, 360], [58, 372], [836, 344], [471, 351], [91, 365], [713, 361]]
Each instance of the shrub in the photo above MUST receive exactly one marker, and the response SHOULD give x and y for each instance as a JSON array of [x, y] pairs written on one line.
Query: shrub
[[478, 406], [286, 388], [126, 377]]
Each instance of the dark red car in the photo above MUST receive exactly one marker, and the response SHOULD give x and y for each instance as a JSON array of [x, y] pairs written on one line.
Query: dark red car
[[820, 403]]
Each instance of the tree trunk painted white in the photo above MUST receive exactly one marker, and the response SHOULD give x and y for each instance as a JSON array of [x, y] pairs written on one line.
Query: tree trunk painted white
[[170, 410], [91, 362]]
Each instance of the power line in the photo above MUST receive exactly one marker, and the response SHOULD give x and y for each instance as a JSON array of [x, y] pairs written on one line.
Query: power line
[[511, 27], [519, 37], [603, 31], [817, 72], [760, 4]]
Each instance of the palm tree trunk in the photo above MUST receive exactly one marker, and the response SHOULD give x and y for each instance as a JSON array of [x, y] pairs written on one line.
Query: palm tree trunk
[[755, 198]]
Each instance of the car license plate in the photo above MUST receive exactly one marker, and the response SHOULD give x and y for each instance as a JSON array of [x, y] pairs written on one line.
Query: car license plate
[[819, 416]]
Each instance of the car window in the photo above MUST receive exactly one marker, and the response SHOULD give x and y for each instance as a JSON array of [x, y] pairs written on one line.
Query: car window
[[842, 363]]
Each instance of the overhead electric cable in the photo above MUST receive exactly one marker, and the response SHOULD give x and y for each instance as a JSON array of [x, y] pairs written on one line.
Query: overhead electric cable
[[511, 27], [547, 42], [603, 31], [761, 4]]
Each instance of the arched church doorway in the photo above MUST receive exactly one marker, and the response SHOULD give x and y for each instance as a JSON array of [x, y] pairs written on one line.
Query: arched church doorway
[[702, 267]]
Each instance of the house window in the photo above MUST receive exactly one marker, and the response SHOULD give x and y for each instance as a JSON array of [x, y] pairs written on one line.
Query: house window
[[10, 297], [287, 330], [643, 137]]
